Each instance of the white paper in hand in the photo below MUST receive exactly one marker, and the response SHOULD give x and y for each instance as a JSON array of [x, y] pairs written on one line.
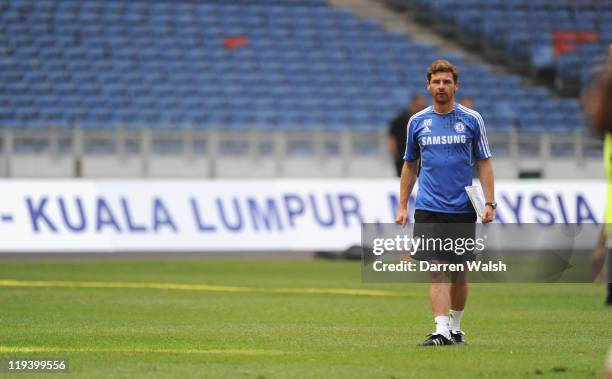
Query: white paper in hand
[[477, 198]]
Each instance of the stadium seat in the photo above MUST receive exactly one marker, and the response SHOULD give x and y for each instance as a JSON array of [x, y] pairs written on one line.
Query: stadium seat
[[524, 28], [96, 63]]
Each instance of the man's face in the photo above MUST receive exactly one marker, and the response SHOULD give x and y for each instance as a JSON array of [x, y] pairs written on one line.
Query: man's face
[[442, 87]]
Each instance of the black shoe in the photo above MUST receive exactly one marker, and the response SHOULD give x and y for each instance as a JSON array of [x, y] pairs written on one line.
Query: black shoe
[[458, 337], [436, 340]]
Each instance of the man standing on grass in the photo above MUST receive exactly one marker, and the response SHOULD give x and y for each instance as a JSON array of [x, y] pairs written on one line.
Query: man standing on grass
[[446, 139]]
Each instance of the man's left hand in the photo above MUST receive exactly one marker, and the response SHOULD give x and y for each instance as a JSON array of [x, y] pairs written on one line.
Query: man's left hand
[[488, 214]]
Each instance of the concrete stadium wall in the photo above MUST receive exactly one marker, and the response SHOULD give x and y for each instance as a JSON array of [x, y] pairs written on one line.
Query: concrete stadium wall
[[266, 154], [38, 166], [103, 166], [178, 167]]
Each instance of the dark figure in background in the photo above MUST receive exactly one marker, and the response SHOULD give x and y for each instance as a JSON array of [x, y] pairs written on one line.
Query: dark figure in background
[[467, 102], [397, 131], [598, 107], [597, 102]]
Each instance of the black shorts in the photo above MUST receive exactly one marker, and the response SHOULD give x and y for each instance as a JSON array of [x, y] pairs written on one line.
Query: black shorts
[[438, 228]]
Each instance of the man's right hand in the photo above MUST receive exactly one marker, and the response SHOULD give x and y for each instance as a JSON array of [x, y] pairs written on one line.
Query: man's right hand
[[402, 216]]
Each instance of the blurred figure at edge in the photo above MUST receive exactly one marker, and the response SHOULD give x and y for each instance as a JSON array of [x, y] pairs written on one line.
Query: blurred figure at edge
[[397, 131]]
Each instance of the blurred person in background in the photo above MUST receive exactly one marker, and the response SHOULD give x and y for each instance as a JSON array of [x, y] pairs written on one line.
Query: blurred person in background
[[607, 374], [467, 102], [597, 103], [397, 131]]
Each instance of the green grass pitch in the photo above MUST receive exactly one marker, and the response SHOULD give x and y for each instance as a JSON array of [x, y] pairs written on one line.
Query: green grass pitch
[[242, 318]]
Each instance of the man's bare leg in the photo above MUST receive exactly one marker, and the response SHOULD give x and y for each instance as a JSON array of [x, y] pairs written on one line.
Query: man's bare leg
[[439, 294], [458, 299], [458, 290], [439, 299]]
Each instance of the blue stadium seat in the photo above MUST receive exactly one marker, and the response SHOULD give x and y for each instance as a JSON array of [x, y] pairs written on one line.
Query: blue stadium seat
[[98, 63], [525, 28]]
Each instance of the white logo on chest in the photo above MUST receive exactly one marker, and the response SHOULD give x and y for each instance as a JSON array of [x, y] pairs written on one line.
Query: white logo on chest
[[443, 140], [459, 127]]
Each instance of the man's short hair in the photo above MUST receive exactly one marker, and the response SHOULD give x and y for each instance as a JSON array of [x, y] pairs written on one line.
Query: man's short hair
[[442, 65]]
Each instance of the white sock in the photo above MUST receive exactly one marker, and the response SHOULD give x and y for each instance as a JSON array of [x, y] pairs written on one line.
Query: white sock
[[442, 326], [455, 320]]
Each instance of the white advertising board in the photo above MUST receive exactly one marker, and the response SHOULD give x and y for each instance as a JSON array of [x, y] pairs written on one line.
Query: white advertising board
[[237, 215]]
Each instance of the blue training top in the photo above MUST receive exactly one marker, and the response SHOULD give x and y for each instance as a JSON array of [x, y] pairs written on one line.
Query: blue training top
[[447, 145]]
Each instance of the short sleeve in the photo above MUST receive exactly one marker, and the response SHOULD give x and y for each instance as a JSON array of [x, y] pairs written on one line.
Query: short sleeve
[[412, 152], [481, 147]]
